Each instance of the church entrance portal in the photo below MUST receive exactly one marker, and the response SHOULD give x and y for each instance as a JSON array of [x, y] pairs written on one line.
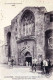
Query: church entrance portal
[[26, 51], [28, 59]]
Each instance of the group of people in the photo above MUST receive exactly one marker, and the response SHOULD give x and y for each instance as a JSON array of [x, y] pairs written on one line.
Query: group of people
[[45, 66], [28, 63]]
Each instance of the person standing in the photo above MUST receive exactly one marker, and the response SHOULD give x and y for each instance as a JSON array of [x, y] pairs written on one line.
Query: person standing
[[45, 66], [26, 63], [49, 63], [42, 65], [34, 64], [12, 60], [49, 66]]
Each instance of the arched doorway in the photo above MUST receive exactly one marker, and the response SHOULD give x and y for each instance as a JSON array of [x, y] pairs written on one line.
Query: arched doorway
[[28, 59]]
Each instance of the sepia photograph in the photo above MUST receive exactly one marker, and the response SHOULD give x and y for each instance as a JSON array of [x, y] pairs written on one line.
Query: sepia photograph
[[26, 40]]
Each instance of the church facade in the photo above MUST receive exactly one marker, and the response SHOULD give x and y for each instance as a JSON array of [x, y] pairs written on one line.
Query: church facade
[[30, 36]]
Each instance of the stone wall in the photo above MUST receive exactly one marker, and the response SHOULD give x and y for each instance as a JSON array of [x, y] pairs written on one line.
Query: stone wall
[[28, 27], [49, 36]]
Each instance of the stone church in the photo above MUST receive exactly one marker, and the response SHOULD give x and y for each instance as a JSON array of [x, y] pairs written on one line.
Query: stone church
[[30, 36]]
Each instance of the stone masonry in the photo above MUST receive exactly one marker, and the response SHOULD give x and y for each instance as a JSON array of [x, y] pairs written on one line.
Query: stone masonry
[[29, 36]]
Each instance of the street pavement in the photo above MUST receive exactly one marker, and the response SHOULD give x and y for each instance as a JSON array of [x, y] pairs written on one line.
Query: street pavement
[[22, 73]]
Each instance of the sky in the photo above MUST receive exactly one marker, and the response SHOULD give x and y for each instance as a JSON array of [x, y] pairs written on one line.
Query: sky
[[10, 8]]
